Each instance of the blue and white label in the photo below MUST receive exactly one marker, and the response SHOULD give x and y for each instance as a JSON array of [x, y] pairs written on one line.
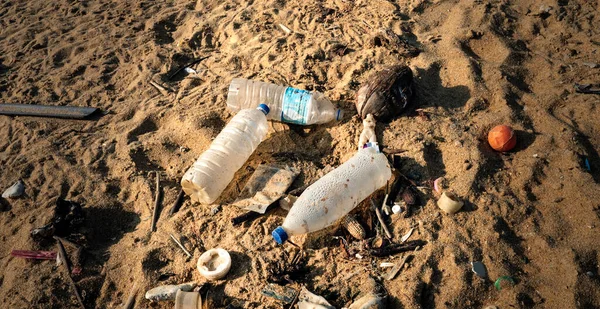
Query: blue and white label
[[296, 106]]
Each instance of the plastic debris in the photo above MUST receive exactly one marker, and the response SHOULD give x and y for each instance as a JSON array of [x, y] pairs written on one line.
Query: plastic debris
[[498, 282], [396, 209], [282, 293], [479, 269], [368, 133], [265, 186], [587, 88], [308, 300], [168, 292], [188, 300], [214, 264], [449, 203], [16, 190], [34, 255]]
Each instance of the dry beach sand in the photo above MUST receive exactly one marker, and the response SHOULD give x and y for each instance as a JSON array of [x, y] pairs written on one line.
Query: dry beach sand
[[532, 214]]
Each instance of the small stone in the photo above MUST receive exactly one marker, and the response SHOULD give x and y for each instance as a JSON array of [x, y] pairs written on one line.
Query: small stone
[[16, 190], [479, 269]]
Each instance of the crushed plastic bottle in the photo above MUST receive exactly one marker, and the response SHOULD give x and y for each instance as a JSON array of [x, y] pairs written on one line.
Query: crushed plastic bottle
[[336, 194], [214, 169], [287, 104]]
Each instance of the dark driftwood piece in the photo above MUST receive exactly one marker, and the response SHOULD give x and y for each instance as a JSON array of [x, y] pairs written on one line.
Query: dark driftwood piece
[[63, 258]]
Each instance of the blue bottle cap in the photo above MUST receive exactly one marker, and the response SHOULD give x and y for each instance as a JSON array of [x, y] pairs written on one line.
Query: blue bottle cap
[[339, 115], [264, 108], [280, 235]]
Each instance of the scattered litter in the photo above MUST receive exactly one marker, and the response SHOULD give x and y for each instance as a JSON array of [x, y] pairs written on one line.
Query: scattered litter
[[16, 190], [165, 276], [498, 282], [308, 300], [437, 185], [587, 164], [591, 65], [214, 264], [396, 209], [190, 70], [449, 203], [336, 193], [588, 88], [71, 112], [386, 93], [34, 255], [266, 185], [397, 248], [368, 133], [287, 202], [188, 300], [359, 256], [407, 235], [502, 138], [251, 215], [370, 300], [285, 29], [479, 269], [386, 264], [282, 293], [168, 292], [354, 227], [68, 215], [215, 210], [186, 66], [181, 246]]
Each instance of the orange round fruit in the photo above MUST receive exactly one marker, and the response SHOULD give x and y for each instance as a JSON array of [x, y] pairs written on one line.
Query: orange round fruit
[[502, 138]]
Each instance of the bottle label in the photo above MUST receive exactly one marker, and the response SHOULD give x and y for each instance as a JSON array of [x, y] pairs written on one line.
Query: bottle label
[[296, 106]]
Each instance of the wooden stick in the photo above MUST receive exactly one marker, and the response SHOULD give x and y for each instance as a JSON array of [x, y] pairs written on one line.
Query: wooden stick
[[131, 299], [380, 218], [178, 202], [180, 246], [160, 88], [156, 204], [63, 258]]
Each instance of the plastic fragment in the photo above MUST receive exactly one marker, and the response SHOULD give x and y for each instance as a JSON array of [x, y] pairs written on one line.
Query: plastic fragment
[[503, 278]]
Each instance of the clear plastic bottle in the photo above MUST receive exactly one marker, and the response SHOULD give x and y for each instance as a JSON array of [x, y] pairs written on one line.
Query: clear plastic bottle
[[287, 104], [336, 194], [214, 169]]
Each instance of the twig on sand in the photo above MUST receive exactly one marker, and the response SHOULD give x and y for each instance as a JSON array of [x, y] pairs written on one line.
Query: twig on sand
[[178, 202], [181, 246], [131, 299], [160, 88], [380, 218], [156, 213], [62, 254]]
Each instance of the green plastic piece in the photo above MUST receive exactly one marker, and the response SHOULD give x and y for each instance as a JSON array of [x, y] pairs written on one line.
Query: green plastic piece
[[505, 278]]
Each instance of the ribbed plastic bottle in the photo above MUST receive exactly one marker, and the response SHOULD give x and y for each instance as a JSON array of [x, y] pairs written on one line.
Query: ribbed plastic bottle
[[336, 194], [214, 169], [287, 104]]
